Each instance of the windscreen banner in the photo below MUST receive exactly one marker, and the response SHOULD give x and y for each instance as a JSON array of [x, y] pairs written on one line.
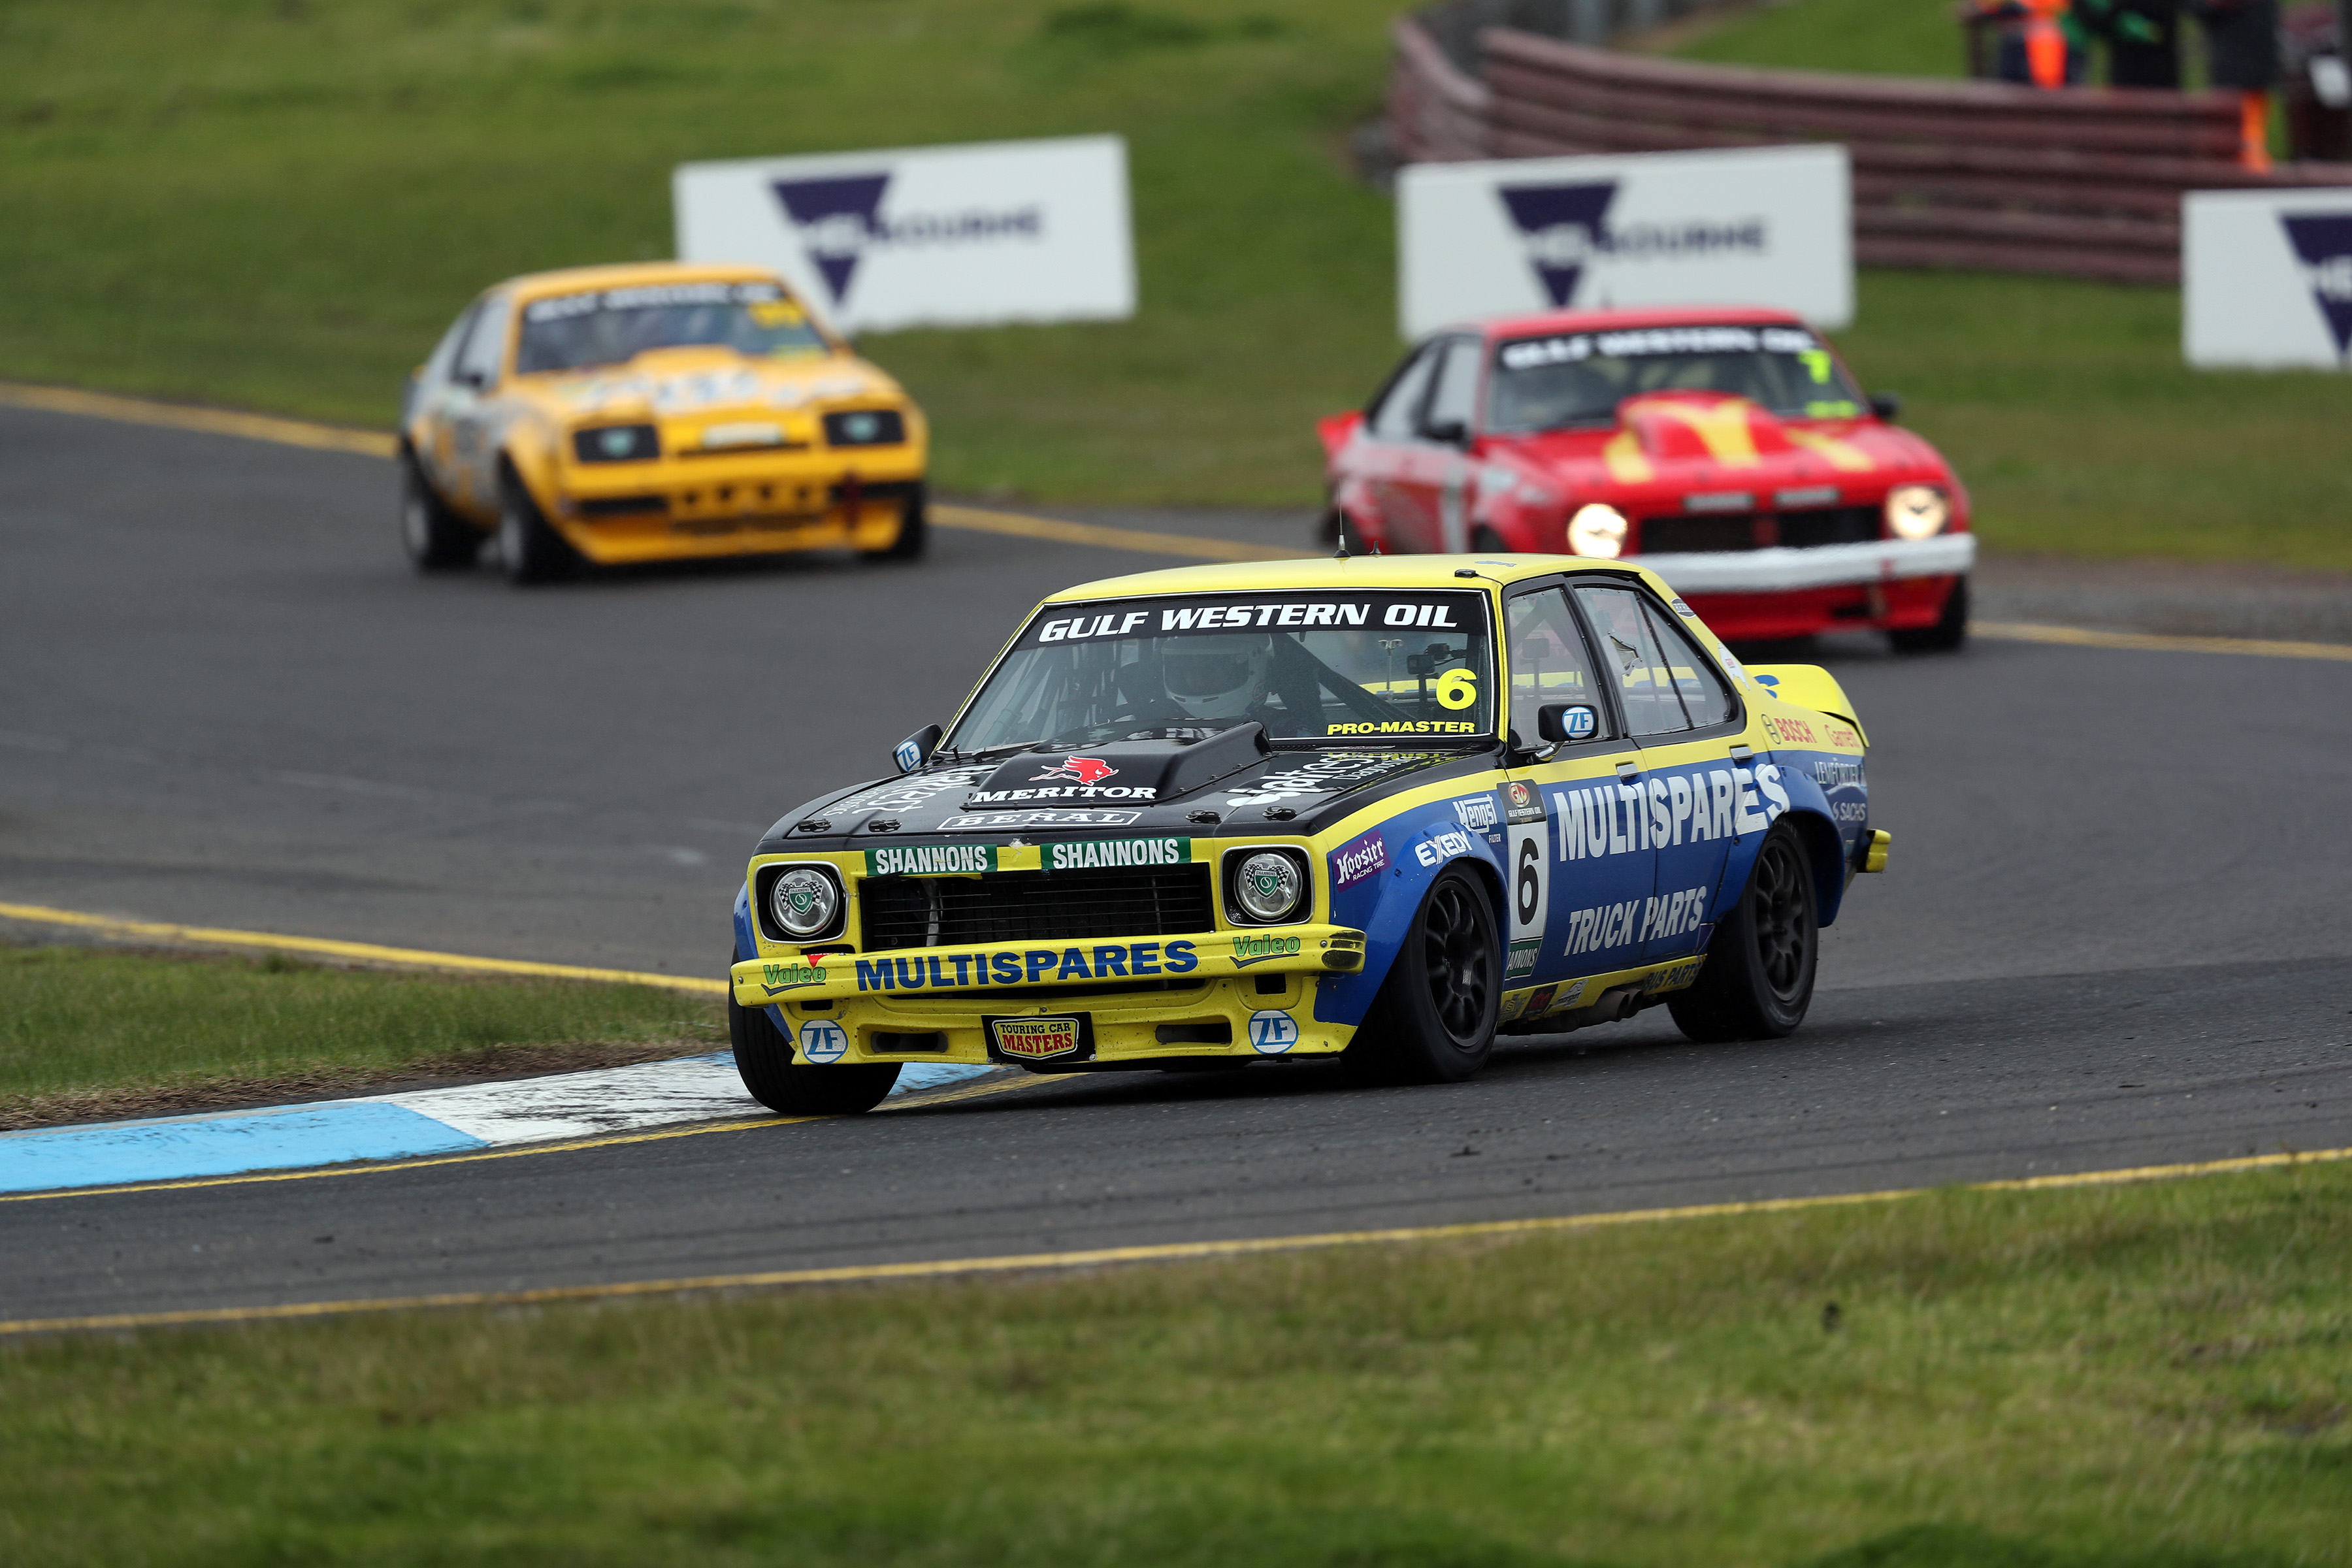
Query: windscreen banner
[[1751, 225], [2266, 278], [957, 236]]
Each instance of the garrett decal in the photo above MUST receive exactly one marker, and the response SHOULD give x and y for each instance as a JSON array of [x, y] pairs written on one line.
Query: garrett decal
[[1038, 1039], [1358, 859]]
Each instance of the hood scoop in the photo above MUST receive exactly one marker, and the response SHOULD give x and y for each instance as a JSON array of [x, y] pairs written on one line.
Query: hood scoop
[[1152, 770], [1713, 426]]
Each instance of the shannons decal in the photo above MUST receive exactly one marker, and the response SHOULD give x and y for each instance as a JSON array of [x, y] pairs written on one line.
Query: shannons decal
[[778, 978], [1615, 818], [930, 861], [957, 970], [1249, 949], [1606, 926], [1358, 858], [1086, 854]]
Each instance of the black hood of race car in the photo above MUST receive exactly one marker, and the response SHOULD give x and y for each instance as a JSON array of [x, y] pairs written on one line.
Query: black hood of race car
[[1231, 782]]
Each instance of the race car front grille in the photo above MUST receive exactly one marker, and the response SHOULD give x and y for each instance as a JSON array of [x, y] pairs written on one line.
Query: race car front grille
[[1744, 531], [1034, 906], [623, 506]]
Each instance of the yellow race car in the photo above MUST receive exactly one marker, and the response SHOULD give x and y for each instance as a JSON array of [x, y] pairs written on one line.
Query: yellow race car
[[655, 412]]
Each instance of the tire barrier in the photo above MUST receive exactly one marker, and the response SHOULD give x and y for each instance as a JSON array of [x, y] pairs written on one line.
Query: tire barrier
[[2086, 182]]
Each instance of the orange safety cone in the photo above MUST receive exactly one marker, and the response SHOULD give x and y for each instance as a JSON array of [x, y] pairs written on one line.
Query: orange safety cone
[[2045, 43], [2254, 130]]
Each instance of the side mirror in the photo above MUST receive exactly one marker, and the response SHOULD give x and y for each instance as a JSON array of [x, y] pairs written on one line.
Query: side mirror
[[1450, 432], [917, 749], [1887, 405], [1562, 721]]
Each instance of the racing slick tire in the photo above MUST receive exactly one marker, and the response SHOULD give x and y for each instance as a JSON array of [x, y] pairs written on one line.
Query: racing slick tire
[[530, 550], [1950, 631], [1433, 1019], [1757, 980], [763, 1056], [913, 528], [436, 537]]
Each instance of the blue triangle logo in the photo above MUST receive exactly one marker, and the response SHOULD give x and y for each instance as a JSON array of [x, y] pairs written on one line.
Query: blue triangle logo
[[1563, 226], [836, 219], [2324, 244]]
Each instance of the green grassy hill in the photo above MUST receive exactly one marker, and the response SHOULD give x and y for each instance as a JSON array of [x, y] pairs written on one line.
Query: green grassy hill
[[280, 203]]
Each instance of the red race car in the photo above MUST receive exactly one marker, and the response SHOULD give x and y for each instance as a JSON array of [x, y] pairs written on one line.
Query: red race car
[[1729, 451]]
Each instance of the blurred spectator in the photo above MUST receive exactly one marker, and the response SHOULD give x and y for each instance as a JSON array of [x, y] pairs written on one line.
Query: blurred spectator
[[2037, 42], [2242, 45], [2143, 39], [2315, 84]]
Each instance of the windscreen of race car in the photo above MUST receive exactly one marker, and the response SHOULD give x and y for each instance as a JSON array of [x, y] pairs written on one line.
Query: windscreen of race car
[[1569, 379], [612, 326], [1320, 667]]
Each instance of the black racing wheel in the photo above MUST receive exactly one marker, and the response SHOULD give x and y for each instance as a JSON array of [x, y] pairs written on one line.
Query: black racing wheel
[[1950, 631], [1433, 1020], [436, 537], [1758, 981], [913, 531], [530, 550], [763, 1055]]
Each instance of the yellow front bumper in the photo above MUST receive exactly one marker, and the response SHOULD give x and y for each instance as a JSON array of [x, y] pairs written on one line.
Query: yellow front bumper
[[752, 504]]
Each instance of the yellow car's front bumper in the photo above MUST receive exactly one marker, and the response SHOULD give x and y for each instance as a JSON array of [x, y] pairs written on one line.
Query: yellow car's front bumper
[[742, 503], [1213, 993]]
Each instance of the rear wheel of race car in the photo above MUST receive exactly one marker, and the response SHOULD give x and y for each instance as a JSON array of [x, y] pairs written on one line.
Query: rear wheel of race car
[[1950, 631], [1433, 1020], [1758, 981], [1485, 541], [436, 537], [913, 526], [530, 550], [763, 1055]]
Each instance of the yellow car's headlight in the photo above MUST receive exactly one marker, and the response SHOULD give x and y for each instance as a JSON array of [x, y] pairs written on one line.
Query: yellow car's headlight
[[1917, 512], [1597, 529]]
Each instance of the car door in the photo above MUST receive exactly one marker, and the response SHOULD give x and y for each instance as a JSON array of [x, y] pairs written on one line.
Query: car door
[[1696, 796], [1384, 458], [471, 408], [1578, 881], [1435, 466]]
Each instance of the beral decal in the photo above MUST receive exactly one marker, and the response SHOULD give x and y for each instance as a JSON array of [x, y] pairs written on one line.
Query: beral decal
[[1565, 228], [2323, 243], [840, 218]]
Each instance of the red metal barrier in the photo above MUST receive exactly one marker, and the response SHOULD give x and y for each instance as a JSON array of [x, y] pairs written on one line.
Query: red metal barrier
[[2086, 182]]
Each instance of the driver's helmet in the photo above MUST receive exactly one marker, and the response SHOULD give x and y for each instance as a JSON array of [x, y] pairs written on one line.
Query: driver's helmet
[[1217, 677]]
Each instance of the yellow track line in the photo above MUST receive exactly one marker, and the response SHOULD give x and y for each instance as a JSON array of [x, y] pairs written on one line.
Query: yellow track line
[[366, 951], [1170, 1252], [212, 421], [2149, 642]]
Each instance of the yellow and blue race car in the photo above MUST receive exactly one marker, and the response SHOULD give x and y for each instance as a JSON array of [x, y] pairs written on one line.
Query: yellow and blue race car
[[1379, 809], [656, 412]]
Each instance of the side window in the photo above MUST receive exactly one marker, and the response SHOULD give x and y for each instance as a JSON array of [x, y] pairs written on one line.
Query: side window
[[1454, 399], [486, 344], [1629, 652], [1706, 698], [1548, 661], [1393, 417], [445, 352]]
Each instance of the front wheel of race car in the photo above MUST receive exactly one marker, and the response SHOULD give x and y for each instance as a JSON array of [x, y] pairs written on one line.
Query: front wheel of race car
[[530, 550], [1757, 980], [913, 527], [763, 1055], [435, 538], [1950, 631], [1433, 1020]]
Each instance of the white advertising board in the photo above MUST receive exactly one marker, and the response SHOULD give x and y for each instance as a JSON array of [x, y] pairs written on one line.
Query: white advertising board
[[2266, 277], [999, 231], [1756, 225]]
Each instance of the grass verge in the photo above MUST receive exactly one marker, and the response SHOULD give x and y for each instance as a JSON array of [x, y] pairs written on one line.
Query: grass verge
[[2132, 1376], [94, 1032], [280, 204]]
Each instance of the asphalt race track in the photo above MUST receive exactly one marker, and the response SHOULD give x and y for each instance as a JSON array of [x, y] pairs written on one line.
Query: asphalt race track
[[2113, 933]]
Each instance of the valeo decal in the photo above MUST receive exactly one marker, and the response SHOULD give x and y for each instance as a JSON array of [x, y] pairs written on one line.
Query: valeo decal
[[930, 859], [1249, 949], [1084, 853], [789, 975]]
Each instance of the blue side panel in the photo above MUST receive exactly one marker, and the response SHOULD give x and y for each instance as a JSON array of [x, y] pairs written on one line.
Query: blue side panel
[[188, 1147], [746, 945], [1379, 877]]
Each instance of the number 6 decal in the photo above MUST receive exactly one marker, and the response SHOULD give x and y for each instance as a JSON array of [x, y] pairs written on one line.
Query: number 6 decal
[[1531, 896]]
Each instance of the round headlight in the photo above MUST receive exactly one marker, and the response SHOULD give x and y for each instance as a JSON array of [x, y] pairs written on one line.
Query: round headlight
[[1268, 887], [804, 900], [1597, 529], [1916, 511]]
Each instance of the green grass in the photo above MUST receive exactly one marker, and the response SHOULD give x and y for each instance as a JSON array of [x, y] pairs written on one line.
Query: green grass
[[279, 204], [88, 1031], [2126, 1377]]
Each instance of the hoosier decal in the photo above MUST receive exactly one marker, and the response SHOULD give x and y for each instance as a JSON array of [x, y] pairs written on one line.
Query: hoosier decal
[[930, 861], [1087, 852], [1358, 858]]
